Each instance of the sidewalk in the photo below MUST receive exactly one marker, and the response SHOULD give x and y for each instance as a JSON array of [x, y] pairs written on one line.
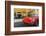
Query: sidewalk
[[18, 20]]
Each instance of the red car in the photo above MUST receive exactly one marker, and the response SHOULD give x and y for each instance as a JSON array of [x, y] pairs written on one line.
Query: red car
[[31, 20], [27, 20]]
